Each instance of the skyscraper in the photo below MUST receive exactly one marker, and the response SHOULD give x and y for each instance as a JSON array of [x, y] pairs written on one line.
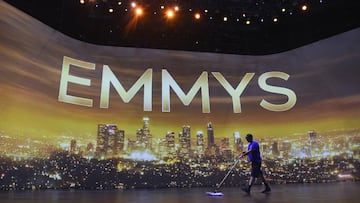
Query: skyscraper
[[239, 147], [110, 141], [170, 143], [312, 136], [210, 135], [185, 141], [275, 148], [73, 146], [143, 135], [313, 142], [200, 143]]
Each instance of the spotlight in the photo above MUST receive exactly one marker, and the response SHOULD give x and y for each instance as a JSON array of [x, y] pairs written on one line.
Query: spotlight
[[304, 7], [176, 8], [138, 11], [247, 22], [225, 19], [133, 4], [82, 1], [111, 10], [170, 13], [275, 20], [197, 16]]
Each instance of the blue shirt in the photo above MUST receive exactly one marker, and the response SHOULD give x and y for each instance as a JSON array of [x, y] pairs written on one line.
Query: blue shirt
[[254, 155]]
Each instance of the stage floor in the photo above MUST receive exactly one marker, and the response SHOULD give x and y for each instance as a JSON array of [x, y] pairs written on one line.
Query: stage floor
[[348, 192]]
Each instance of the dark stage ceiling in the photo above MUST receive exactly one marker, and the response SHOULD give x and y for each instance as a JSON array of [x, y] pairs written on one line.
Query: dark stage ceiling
[[250, 27]]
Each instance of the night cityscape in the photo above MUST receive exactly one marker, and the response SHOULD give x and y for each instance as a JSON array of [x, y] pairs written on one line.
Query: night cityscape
[[113, 161]]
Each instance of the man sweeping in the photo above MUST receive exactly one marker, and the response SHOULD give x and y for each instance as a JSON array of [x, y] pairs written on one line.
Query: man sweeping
[[253, 152]]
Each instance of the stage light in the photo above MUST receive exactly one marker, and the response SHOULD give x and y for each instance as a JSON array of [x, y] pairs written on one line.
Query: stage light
[[206, 10], [133, 4], [197, 16], [176, 8], [111, 10], [119, 3], [283, 10], [275, 20], [138, 11], [247, 22], [304, 7], [225, 19], [170, 13], [162, 7], [82, 1]]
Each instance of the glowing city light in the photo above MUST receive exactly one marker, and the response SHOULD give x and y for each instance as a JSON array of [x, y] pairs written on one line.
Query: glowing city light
[[141, 156]]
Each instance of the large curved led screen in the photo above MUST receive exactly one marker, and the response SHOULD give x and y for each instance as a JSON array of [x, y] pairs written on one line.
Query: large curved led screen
[[80, 115]]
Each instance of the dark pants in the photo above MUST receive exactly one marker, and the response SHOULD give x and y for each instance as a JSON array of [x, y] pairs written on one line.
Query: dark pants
[[256, 169]]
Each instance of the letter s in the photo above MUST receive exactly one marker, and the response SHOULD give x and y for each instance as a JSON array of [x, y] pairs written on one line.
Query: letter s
[[274, 89]]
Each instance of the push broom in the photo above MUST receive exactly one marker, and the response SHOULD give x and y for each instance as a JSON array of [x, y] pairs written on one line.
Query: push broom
[[216, 192]]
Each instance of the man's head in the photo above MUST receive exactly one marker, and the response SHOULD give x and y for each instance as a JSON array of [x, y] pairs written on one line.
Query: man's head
[[249, 137]]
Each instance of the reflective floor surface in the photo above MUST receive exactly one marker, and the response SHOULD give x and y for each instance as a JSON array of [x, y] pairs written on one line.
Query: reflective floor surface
[[348, 192]]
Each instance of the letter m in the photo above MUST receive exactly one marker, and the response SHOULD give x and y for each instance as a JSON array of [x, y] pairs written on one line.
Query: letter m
[[201, 83], [108, 78]]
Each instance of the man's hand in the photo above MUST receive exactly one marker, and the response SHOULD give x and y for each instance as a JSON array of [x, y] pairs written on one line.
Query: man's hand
[[241, 155]]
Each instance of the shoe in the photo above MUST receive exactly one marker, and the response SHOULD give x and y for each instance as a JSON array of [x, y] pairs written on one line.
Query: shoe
[[247, 190], [267, 190]]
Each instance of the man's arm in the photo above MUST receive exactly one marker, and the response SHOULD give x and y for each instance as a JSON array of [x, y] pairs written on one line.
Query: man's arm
[[245, 153]]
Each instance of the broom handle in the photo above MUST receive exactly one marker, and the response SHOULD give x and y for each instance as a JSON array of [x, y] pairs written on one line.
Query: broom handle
[[232, 167]]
